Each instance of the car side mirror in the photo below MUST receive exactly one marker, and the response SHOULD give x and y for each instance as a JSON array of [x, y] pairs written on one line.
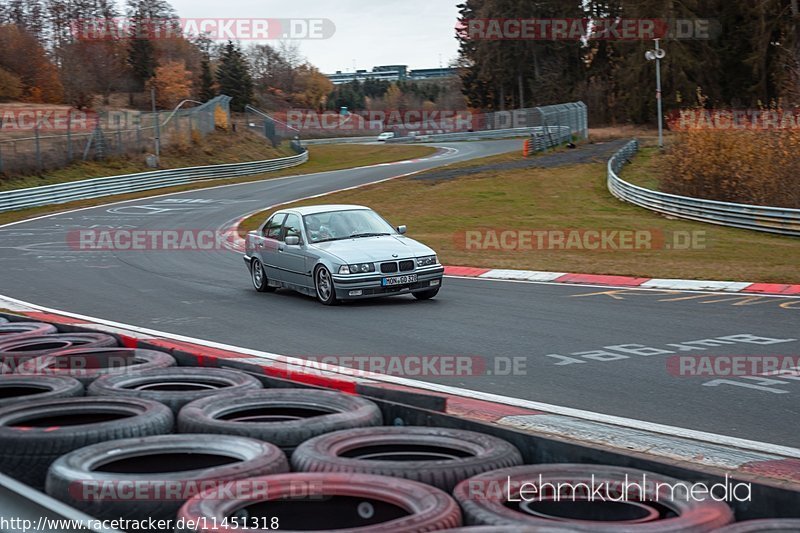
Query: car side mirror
[[292, 240], [402, 230]]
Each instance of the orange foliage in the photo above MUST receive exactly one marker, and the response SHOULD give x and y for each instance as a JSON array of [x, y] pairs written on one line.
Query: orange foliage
[[23, 56], [173, 83]]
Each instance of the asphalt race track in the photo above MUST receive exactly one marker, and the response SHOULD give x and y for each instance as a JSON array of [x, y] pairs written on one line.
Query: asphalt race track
[[570, 344]]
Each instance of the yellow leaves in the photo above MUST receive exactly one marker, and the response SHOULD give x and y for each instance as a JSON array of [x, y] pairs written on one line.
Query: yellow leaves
[[172, 83]]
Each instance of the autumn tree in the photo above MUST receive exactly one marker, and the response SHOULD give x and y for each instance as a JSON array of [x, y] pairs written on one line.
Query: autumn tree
[[10, 86], [311, 88], [38, 75], [172, 83]]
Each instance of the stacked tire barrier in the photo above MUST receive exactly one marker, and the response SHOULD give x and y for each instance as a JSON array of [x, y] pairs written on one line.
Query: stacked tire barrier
[[124, 433]]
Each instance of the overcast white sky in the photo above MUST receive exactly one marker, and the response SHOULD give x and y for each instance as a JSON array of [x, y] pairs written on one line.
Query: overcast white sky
[[377, 32]]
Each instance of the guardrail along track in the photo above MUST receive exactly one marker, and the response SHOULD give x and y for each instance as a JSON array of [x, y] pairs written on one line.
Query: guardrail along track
[[783, 221], [106, 186], [545, 136]]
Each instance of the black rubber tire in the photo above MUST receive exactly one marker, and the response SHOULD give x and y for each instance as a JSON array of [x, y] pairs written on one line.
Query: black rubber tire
[[331, 299], [86, 480], [12, 331], [339, 411], [164, 384], [426, 295], [763, 526], [427, 508], [34, 434], [483, 453], [89, 364], [263, 285], [484, 500], [16, 352], [15, 388]]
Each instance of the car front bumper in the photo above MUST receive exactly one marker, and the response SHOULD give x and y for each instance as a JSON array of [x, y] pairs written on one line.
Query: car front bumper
[[350, 287]]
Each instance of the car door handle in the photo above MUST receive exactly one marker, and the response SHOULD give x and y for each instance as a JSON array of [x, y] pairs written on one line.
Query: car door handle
[[280, 248]]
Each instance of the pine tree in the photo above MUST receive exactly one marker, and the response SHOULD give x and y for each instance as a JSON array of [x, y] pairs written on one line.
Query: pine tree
[[233, 77], [207, 91]]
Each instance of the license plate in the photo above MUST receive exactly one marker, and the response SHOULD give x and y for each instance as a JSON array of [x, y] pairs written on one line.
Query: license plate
[[399, 280]]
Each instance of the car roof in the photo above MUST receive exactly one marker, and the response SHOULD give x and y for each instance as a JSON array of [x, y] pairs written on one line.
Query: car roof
[[316, 209]]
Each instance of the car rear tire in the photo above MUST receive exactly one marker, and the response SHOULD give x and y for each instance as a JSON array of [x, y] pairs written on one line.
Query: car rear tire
[[426, 295], [323, 284], [259, 277]]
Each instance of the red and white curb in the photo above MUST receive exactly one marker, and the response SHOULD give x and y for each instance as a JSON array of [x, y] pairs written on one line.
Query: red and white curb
[[775, 289], [623, 435]]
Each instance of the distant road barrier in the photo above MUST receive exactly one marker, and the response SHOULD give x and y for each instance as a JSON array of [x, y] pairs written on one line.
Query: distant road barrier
[[543, 136], [106, 186], [783, 221], [339, 140]]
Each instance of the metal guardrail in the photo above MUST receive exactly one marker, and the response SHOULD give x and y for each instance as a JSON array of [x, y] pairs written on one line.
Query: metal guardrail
[[340, 140], [557, 133], [127, 183], [783, 221]]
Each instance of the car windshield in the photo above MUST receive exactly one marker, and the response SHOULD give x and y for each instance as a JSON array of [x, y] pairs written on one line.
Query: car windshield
[[337, 225]]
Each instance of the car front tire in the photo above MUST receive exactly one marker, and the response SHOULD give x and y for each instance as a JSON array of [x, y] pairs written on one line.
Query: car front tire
[[323, 283], [426, 295], [259, 277]]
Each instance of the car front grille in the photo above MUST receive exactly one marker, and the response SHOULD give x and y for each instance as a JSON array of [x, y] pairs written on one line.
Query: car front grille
[[389, 268], [405, 266]]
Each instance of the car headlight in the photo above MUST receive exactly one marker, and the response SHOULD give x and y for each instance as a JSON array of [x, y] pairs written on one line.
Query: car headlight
[[357, 268], [427, 261]]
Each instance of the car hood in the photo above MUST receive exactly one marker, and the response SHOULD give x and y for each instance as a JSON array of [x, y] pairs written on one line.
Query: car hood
[[375, 249]]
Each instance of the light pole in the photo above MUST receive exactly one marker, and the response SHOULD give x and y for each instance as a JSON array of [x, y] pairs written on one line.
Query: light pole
[[658, 54]]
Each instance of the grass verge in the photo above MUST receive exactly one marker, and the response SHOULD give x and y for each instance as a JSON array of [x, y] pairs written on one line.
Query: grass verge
[[322, 158], [574, 197]]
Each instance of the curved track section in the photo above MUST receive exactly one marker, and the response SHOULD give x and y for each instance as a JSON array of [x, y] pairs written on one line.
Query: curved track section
[[596, 349]]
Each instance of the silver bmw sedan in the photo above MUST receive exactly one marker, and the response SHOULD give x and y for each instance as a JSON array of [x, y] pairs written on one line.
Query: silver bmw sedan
[[340, 252]]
